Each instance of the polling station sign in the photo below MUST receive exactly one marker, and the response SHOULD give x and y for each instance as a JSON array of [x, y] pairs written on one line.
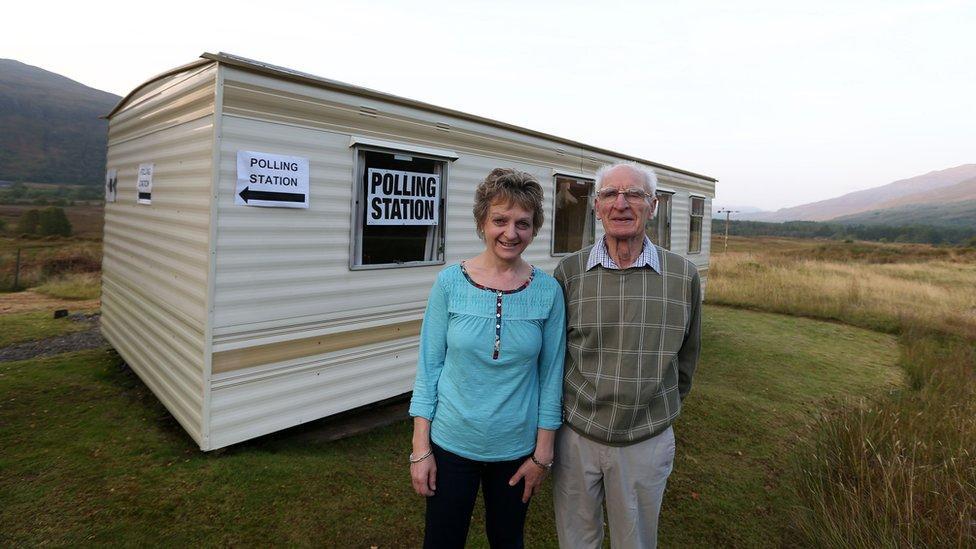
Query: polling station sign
[[144, 183], [271, 180], [396, 197]]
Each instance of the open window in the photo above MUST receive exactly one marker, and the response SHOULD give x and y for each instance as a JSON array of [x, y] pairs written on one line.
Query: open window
[[573, 217], [697, 210], [399, 199], [658, 229]]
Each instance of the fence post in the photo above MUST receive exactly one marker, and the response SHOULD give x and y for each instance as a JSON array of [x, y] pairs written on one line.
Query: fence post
[[17, 271]]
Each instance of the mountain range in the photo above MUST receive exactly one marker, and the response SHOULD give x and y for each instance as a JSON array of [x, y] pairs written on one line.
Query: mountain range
[[941, 198], [50, 130]]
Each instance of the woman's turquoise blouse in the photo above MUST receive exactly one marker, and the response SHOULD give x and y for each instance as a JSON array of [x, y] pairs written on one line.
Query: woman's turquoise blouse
[[481, 407]]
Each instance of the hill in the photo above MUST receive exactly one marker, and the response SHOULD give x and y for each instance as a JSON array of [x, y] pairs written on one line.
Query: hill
[[959, 214], [872, 199], [959, 192], [50, 131]]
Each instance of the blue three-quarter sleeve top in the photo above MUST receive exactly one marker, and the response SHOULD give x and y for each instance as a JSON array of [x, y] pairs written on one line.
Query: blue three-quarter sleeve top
[[491, 365]]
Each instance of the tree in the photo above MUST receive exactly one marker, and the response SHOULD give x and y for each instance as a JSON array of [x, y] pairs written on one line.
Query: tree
[[28, 221], [53, 221]]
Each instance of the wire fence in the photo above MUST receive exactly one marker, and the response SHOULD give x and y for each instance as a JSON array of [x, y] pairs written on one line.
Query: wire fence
[[27, 266]]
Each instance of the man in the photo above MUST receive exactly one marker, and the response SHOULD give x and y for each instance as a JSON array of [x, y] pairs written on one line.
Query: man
[[633, 337]]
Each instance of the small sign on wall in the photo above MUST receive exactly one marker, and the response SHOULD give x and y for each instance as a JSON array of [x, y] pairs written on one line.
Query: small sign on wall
[[144, 183], [111, 185], [271, 180], [396, 197]]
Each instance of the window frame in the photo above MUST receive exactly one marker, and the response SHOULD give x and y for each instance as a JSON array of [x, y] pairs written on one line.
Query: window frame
[[656, 219], [589, 205], [691, 219], [360, 146]]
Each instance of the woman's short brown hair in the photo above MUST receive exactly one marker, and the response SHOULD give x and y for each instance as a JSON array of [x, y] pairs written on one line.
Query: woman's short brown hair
[[512, 187]]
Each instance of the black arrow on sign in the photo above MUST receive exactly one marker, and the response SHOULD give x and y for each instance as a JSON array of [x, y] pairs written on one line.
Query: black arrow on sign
[[248, 194]]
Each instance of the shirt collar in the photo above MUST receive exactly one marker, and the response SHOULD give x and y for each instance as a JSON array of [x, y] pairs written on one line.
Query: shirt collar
[[599, 255]]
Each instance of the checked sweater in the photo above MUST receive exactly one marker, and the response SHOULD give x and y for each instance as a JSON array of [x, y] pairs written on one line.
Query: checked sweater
[[633, 338]]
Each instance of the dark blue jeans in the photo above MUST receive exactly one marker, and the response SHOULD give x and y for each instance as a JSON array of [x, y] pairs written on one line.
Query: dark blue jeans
[[449, 509]]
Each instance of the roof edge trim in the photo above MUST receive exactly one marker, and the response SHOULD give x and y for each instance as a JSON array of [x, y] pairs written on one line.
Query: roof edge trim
[[182, 68]]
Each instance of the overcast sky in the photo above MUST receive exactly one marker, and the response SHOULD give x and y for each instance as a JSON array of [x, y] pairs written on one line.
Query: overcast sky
[[783, 102]]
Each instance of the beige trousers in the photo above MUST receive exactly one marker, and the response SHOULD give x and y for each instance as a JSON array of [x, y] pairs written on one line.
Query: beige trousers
[[630, 478]]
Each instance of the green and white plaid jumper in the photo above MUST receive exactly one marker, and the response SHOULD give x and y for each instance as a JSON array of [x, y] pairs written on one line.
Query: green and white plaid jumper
[[633, 339]]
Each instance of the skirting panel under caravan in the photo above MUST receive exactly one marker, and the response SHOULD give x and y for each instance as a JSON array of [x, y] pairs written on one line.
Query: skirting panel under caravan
[[249, 403]]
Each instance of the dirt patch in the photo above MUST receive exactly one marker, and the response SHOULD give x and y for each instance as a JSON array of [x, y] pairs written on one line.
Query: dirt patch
[[29, 300], [77, 341]]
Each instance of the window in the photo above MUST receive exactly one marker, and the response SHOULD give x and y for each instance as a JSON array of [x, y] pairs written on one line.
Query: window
[[572, 226], [399, 209], [695, 232], [658, 229]]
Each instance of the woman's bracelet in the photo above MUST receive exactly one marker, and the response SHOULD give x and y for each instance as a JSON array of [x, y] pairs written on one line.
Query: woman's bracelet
[[421, 458], [544, 466]]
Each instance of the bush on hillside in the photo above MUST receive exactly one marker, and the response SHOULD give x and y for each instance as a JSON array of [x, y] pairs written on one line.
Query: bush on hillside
[[28, 222], [53, 221]]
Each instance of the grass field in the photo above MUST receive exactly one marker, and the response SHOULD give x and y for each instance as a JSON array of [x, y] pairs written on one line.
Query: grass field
[[58, 261], [90, 456], [902, 470], [50, 259], [30, 326]]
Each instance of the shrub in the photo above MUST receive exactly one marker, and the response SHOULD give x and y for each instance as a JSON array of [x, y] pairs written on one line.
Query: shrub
[[28, 222], [53, 221]]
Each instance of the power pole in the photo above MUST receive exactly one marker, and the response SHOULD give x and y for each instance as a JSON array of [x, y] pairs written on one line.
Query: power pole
[[727, 213]]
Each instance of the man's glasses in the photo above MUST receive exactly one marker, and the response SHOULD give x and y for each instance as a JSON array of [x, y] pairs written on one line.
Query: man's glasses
[[633, 196]]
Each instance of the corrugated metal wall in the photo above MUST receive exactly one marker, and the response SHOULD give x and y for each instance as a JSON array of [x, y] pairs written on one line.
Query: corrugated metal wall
[[156, 257], [282, 275]]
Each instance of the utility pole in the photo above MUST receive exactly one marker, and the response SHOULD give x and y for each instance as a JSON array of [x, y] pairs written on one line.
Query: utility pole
[[727, 213]]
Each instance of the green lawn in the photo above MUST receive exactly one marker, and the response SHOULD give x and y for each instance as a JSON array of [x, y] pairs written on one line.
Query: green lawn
[[90, 456], [23, 327]]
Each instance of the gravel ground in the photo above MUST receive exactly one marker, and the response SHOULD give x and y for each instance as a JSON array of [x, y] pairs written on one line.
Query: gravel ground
[[77, 341]]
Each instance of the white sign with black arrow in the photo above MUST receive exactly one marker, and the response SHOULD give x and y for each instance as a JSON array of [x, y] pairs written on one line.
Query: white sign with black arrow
[[271, 180]]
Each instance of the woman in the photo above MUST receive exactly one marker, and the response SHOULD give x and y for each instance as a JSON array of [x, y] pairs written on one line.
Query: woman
[[487, 399]]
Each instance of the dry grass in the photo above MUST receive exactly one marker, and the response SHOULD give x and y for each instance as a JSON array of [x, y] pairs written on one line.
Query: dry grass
[[43, 260], [72, 286], [894, 471], [900, 472], [936, 294]]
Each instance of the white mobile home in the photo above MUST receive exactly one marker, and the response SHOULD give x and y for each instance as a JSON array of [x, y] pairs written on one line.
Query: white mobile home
[[271, 236]]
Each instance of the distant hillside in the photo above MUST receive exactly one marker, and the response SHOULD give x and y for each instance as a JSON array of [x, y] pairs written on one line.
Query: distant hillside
[[870, 199], [49, 127], [955, 193], [953, 214]]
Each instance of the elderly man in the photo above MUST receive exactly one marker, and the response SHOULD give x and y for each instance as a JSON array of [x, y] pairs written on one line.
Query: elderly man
[[633, 337]]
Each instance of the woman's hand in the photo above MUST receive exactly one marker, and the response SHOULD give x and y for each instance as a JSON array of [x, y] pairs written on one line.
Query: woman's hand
[[533, 476], [423, 474]]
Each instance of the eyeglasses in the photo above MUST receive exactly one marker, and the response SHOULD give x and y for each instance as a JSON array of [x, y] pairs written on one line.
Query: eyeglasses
[[633, 196]]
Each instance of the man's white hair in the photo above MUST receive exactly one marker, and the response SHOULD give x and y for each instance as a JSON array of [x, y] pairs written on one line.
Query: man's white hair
[[646, 175]]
